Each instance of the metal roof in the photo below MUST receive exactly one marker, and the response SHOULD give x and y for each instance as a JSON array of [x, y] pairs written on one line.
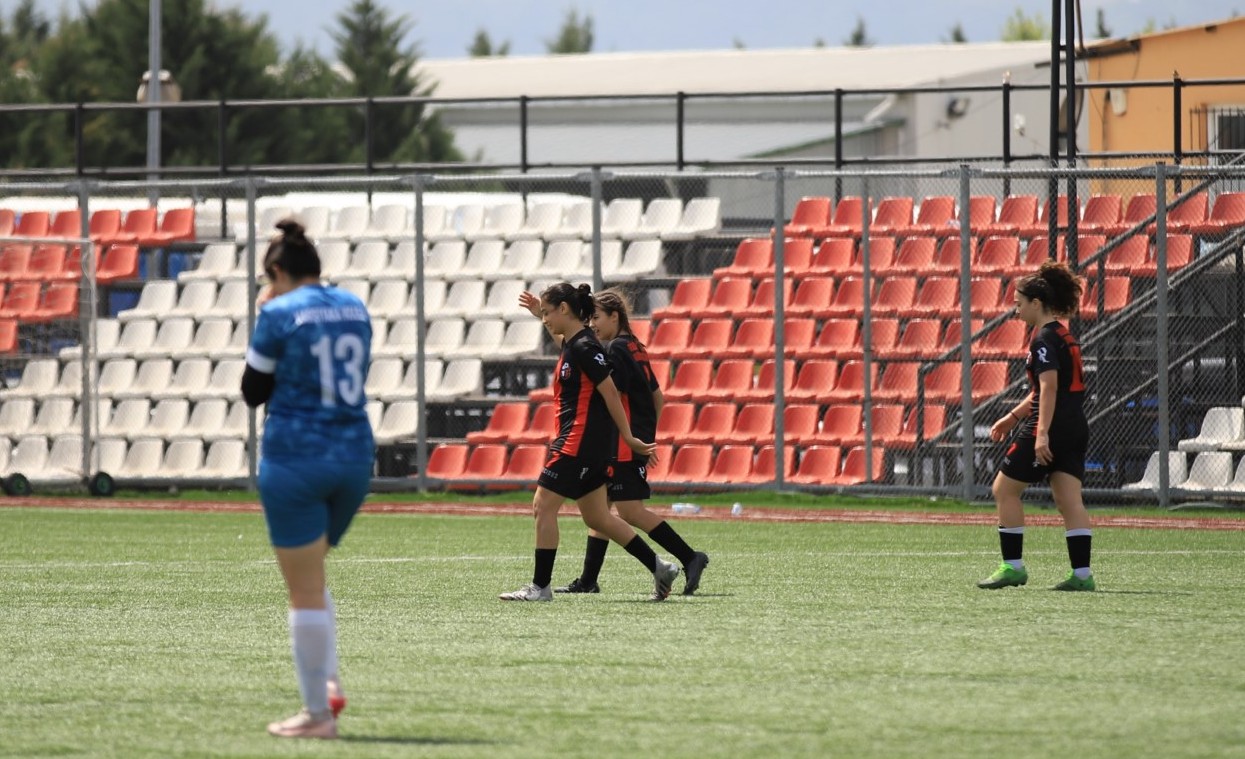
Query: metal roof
[[721, 71]]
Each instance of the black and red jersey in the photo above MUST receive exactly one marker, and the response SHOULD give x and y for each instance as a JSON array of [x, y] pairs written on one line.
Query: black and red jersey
[[633, 375], [1054, 348], [585, 429]]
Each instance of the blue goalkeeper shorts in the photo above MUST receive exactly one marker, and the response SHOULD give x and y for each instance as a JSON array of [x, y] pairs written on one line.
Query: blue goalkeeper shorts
[[306, 499]]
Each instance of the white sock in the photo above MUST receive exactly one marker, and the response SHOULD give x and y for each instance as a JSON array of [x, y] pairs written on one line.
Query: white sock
[[311, 640], [331, 661]]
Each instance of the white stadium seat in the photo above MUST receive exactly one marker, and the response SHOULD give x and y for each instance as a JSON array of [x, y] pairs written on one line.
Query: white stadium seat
[[621, 216], [503, 302], [107, 332], [367, 258], [206, 417], [408, 389], [173, 335], [521, 338], [399, 421], [518, 261], [543, 219], [1220, 425], [194, 299], [482, 257], [168, 418], [54, 417], [661, 216], [137, 334], [444, 257], [157, 298], [192, 374], [499, 221], [217, 261], [116, 376], [576, 223], [1211, 470], [462, 377], [225, 459], [183, 459], [642, 259], [701, 216], [482, 340], [16, 416], [211, 335], [1176, 472], [463, 298], [153, 375], [226, 381]]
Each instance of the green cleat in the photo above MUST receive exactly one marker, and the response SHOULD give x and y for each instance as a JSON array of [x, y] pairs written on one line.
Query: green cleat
[[1005, 576], [1072, 582]]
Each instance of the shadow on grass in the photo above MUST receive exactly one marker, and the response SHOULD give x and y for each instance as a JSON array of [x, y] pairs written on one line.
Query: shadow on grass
[[1144, 592], [414, 741]]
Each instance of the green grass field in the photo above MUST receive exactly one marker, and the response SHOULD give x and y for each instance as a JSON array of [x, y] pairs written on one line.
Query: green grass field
[[128, 634]]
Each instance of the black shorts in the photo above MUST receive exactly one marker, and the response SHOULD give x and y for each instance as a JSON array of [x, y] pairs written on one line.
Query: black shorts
[[629, 481], [571, 477], [1020, 461]]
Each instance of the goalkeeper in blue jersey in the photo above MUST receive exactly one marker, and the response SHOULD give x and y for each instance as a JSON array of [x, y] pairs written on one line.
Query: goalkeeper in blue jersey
[[308, 362]]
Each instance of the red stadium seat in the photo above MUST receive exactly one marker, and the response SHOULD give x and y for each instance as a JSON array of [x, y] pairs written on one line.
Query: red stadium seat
[[1087, 246], [485, 462], [1042, 227], [58, 302], [951, 335], [854, 467], [933, 422], [1017, 212], [730, 296], [881, 255], [732, 466], [838, 422], [939, 296], [765, 385], [914, 258], [987, 379], [447, 462], [847, 221], [813, 296], [934, 215], [816, 378], [670, 338], [1227, 214], [849, 300], [139, 222], [714, 421], [798, 335], [661, 370], [105, 223], [1188, 214], [691, 463], [32, 224], [835, 256], [1037, 253], [540, 427], [764, 467], [177, 225], [762, 303], [1131, 254], [797, 257], [998, 255], [14, 260], [1007, 340], [1139, 207], [984, 297], [1179, 254], [883, 334], [21, 299], [1116, 293], [799, 421], [689, 295], [119, 262], [947, 259], [524, 465], [47, 262], [732, 378], [894, 297], [837, 338], [894, 215], [981, 213], [898, 382], [886, 425], [810, 213], [507, 420], [919, 339], [66, 223], [850, 385], [8, 221], [710, 337], [754, 257], [819, 465], [1101, 212], [754, 424], [675, 421], [754, 339], [8, 336], [690, 378]]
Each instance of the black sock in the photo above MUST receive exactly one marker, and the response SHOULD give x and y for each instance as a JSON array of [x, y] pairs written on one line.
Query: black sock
[[1012, 544], [665, 536], [1079, 548], [639, 549], [594, 557], [544, 567]]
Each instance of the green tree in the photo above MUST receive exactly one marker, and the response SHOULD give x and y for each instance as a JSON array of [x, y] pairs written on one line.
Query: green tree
[[371, 47], [1022, 28], [859, 36], [23, 34], [1101, 31], [956, 36], [575, 36], [482, 46]]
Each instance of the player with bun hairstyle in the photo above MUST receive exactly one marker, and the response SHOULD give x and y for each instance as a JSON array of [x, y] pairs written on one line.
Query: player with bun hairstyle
[[628, 480], [1051, 433], [308, 361], [577, 464]]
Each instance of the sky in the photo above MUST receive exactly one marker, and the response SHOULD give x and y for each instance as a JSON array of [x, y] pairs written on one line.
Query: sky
[[445, 28]]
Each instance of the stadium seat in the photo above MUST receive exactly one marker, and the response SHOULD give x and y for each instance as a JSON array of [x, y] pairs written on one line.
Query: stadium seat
[[765, 385], [400, 421], [462, 377], [689, 295], [1042, 226], [576, 223], [389, 299], [502, 302], [506, 420], [835, 256], [445, 257], [1227, 214], [934, 214], [408, 388], [886, 424], [206, 418], [898, 382], [988, 379], [523, 467], [856, 471], [732, 465], [1129, 255], [1087, 246], [463, 298], [713, 421], [225, 382], [540, 427], [810, 213], [171, 336], [1007, 340], [642, 258], [849, 300], [691, 463], [127, 419], [939, 296], [1220, 425], [764, 467], [367, 257], [1211, 470], [447, 462], [691, 377], [676, 420], [754, 339], [701, 216], [196, 298], [881, 255], [177, 225], [883, 334], [621, 215], [541, 220], [932, 419], [1181, 218], [660, 217], [58, 302], [518, 260], [233, 423], [1036, 253], [731, 295], [754, 257], [483, 256], [1179, 255], [134, 335], [947, 258], [981, 213], [985, 297], [521, 337], [9, 343], [1139, 208], [225, 459], [1176, 473], [383, 376], [710, 337], [30, 457], [392, 222], [33, 224], [915, 257], [893, 216], [18, 414], [815, 380], [138, 222], [349, 223], [54, 417], [761, 304], [895, 296], [847, 221], [1100, 213], [850, 386], [797, 257], [733, 376], [168, 418], [157, 299], [119, 262], [920, 336], [152, 376], [837, 422], [191, 376], [20, 300], [47, 263], [754, 424], [67, 223], [998, 256], [8, 221], [837, 338], [14, 260], [236, 349], [1017, 212], [1116, 294], [813, 296], [819, 465]]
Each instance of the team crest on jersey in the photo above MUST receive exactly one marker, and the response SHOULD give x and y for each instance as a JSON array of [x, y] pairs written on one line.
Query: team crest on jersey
[[1042, 354], [600, 358], [565, 371]]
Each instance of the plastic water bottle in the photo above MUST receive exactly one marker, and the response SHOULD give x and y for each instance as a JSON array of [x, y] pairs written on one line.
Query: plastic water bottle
[[692, 508], [678, 508], [737, 509]]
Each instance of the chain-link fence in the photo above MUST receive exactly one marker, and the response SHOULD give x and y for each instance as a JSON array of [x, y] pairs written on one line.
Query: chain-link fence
[[887, 295]]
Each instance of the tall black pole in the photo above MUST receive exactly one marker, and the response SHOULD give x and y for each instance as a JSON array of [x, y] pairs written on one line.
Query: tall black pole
[[1069, 12], [1052, 185]]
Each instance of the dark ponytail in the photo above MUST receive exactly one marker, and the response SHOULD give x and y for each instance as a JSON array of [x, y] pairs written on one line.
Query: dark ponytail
[[1056, 285], [293, 252], [615, 301], [579, 299]]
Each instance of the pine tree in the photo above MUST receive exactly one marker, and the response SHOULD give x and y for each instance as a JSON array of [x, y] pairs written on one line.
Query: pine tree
[[482, 46], [1102, 31], [956, 36], [575, 36], [1022, 28], [859, 37]]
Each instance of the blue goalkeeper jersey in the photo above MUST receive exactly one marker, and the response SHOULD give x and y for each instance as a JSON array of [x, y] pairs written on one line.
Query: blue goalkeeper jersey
[[317, 343]]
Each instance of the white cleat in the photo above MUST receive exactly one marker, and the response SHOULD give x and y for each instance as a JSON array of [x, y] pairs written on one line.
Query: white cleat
[[304, 725], [529, 592], [663, 579]]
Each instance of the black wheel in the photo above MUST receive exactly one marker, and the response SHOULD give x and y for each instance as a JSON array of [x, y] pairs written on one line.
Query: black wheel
[[102, 485], [17, 484]]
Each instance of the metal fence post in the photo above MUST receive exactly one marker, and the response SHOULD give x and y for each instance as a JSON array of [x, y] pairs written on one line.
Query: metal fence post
[[780, 359], [680, 114], [252, 438], [966, 338], [596, 178], [866, 335], [86, 329], [1161, 330], [421, 399]]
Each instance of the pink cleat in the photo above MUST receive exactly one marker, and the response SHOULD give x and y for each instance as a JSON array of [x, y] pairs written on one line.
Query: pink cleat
[[304, 725], [337, 698]]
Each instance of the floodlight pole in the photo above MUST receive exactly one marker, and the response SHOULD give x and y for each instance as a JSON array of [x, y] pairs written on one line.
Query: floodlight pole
[[153, 98]]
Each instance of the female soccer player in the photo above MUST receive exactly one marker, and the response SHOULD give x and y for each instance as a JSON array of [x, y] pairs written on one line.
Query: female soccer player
[[628, 480], [578, 460], [1053, 434], [308, 361]]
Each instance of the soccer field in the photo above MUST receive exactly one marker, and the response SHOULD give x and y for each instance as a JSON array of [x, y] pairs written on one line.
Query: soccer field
[[163, 634]]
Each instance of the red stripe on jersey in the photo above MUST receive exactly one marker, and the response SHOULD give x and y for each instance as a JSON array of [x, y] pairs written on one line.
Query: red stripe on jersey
[[1076, 383], [624, 451], [576, 437]]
